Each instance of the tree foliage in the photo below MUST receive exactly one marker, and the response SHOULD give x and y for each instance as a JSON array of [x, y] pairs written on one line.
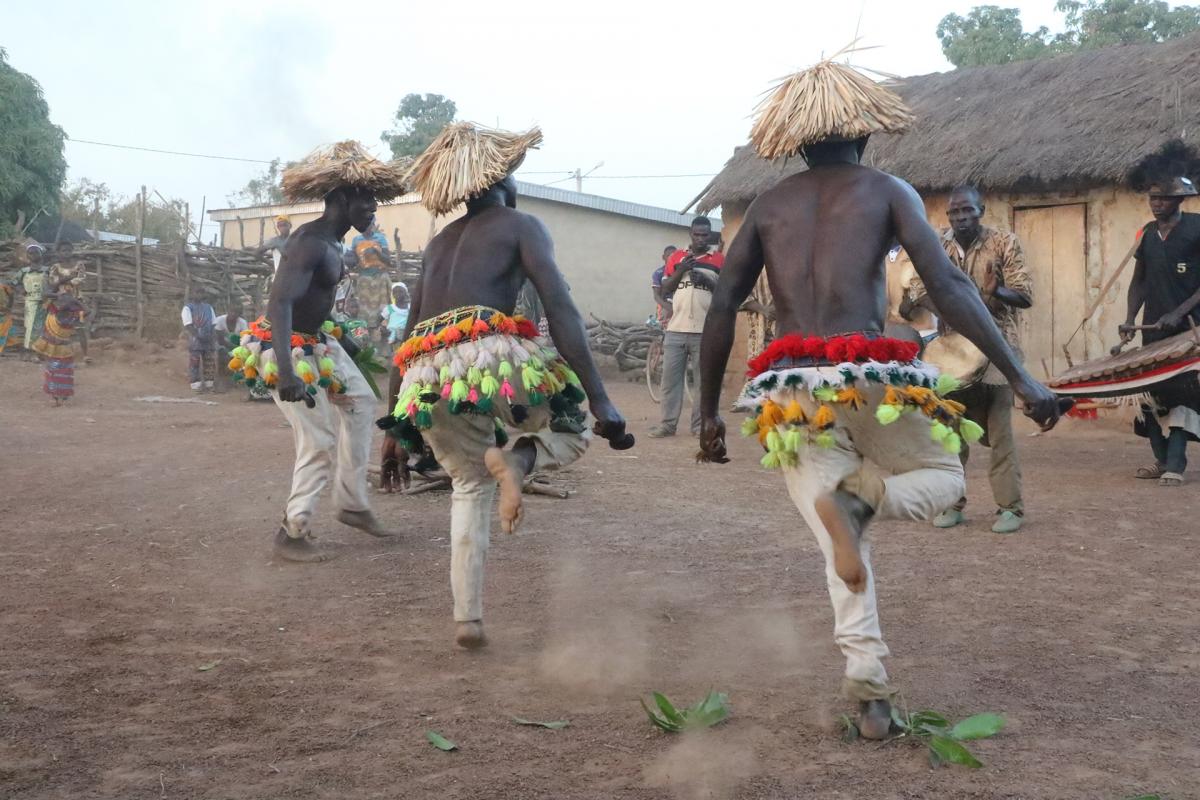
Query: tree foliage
[[264, 189], [419, 119], [32, 164], [118, 214], [994, 35]]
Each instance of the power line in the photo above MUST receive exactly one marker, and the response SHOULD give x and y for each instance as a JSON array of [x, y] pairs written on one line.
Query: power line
[[622, 177], [170, 152]]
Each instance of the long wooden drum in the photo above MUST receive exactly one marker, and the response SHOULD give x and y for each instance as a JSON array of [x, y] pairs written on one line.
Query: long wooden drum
[[954, 355], [1134, 371]]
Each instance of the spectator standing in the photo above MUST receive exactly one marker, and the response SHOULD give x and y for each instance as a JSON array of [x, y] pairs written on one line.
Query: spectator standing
[[689, 278], [199, 320], [395, 316]]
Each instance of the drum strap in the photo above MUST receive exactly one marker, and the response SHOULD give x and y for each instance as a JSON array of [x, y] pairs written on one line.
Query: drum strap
[[1100, 298]]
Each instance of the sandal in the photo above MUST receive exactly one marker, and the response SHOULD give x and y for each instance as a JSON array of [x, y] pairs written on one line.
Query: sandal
[[1150, 473], [1170, 479]]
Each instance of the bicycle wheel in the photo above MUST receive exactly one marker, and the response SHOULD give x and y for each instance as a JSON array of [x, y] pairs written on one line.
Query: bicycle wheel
[[654, 357]]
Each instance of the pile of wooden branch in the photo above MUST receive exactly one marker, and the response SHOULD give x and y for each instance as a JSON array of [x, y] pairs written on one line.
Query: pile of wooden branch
[[625, 342]]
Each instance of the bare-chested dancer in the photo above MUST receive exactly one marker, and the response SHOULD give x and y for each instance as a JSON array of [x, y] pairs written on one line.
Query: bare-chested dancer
[[468, 369], [299, 353], [857, 424]]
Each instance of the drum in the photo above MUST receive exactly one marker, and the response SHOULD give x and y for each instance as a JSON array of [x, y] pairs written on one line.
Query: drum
[[954, 355]]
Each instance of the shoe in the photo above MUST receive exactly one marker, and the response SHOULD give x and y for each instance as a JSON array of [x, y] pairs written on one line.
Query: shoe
[[661, 432], [949, 518], [1171, 479], [1009, 522], [197, 386]]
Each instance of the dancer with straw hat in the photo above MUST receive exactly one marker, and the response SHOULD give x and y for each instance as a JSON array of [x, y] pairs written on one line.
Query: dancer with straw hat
[[469, 369], [857, 424], [299, 353]]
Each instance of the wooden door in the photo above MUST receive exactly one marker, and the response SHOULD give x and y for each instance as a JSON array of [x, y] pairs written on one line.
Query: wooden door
[[1055, 242]]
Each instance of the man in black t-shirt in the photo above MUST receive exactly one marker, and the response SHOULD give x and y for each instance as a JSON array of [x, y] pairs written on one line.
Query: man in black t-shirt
[[1166, 288]]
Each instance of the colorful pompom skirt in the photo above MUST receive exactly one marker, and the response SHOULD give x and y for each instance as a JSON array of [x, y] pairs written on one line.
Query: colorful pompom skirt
[[252, 358], [478, 360], [839, 373]]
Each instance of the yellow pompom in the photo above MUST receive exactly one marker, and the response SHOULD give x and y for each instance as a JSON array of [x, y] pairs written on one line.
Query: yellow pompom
[[794, 414], [250, 373], [235, 364], [852, 397], [891, 397], [772, 414], [824, 418]]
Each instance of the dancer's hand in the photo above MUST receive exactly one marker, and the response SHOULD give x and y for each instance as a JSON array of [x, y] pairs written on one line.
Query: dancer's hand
[[1041, 404], [292, 390], [712, 441], [611, 425]]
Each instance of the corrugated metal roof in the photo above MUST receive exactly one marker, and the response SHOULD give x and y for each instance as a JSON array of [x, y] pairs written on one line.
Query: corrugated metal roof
[[552, 194], [608, 204]]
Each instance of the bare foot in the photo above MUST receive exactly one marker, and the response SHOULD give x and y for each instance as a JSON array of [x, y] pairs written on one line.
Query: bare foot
[[845, 516], [366, 522], [506, 473], [875, 719], [469, 635], [300, 550]]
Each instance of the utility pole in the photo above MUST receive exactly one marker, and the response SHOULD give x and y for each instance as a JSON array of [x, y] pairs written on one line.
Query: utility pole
[[578, 181]]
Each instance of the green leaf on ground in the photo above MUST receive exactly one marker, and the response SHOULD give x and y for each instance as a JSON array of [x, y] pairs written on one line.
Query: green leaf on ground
[[929, 719], [1146, 797], [712, 709], [557, 725], [210, 665], [952, 752], [440, 742], [980, 726]]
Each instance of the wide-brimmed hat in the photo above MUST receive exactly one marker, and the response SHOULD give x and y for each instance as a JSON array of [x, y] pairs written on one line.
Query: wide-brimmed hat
[[465, 159], [826, 102], [343, 164]]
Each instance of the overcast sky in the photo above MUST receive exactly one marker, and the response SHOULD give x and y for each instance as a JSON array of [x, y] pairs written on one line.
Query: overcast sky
[[646, 88]]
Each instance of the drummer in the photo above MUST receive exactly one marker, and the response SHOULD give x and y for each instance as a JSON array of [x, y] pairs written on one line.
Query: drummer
[[1166, 284], [995, 262]]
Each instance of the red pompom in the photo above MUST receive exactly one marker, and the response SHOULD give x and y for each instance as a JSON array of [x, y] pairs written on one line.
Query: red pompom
[[835, 350], [857, 347], [526, 329], [905, 351], [814, 347], [451, 335], [880, 349]]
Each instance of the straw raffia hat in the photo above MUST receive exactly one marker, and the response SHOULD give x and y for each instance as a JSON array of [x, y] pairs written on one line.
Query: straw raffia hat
[[465, 159], [828, 101], [343, 164]]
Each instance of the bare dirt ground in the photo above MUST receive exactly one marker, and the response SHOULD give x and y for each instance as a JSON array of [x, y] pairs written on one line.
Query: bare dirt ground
[[151, 647]]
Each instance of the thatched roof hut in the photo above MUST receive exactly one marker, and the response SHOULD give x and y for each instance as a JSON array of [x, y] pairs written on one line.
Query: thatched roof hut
[[1056, 124]]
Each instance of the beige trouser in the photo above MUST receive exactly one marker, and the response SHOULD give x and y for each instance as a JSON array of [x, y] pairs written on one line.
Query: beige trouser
[[459, 442], [903, 474], [31, 312], [343, 426], [991, 407]]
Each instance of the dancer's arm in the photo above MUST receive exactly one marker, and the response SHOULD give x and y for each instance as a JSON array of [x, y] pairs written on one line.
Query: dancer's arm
[[566, 325], [743, 264], [292, 281]]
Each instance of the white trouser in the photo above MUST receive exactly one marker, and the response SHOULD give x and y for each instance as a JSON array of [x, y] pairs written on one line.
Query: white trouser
[[459, 442], [923, 480], [343, 425]]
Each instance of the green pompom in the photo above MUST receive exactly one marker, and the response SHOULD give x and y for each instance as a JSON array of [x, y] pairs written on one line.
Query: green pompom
[[485, 405], [826, 394], [887, 414], [825, 440], [311, 389], [750, 427], [424, 420], [327, 326], [474, 376], [574, 393], [946, 384], [501, 436], [938, 432], [234, 339], [324, 382], [444, 374], [488, 386], [774, 442], [952, 444], [536, 398], [459, 391], [505, 370], [770, 460], [971, 431], [793, 440]]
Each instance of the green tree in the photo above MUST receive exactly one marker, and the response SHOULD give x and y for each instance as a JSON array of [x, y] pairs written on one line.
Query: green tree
[[990, 35], [164, 220], [264, 189], [32, 164], [1100, 23], [419, 119], [994, 35]]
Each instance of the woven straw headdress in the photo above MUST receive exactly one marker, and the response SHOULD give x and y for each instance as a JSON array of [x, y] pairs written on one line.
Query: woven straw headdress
[[343, 164], [827, 101], [465, 159]]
